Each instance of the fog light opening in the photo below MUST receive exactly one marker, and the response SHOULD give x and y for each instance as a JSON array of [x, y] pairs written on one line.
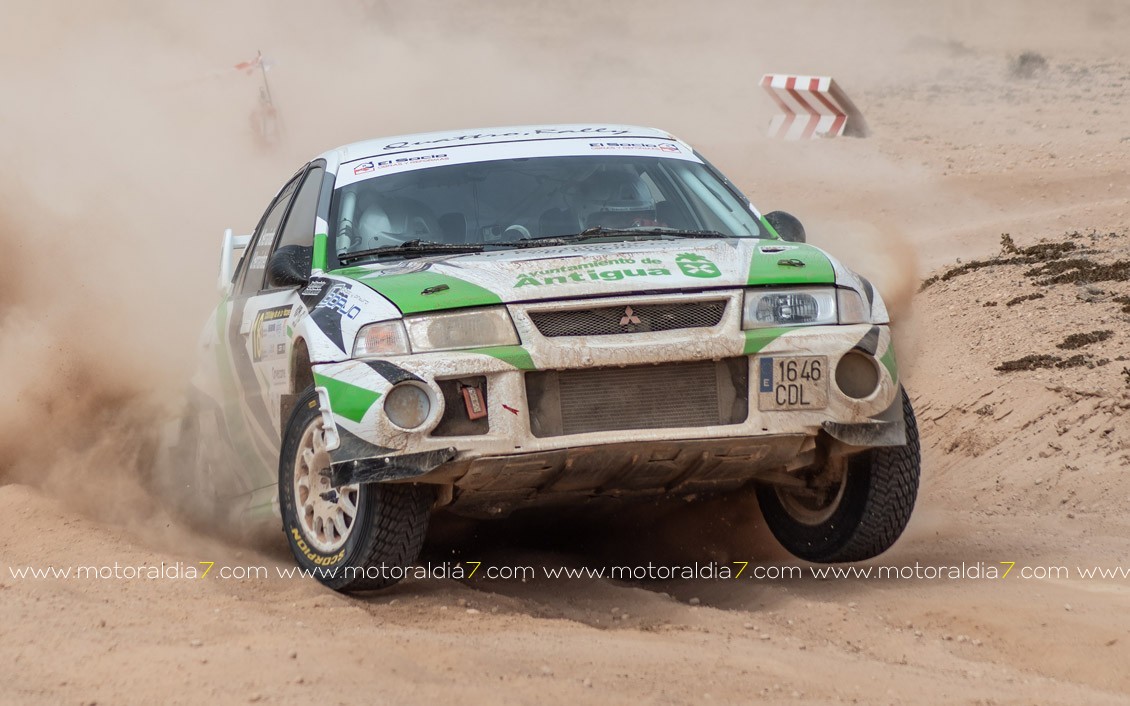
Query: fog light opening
[[857, 375], [408, 405]]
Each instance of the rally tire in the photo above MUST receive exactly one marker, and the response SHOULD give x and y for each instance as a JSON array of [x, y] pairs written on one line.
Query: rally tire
[[871, 513], [388, 528]]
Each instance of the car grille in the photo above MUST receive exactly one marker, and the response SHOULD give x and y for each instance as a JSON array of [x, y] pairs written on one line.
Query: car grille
[[611, 320], [695, 394]]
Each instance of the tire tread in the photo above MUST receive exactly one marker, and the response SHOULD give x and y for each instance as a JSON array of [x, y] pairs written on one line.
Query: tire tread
[[397, 534], [895, 473], [876, 505]]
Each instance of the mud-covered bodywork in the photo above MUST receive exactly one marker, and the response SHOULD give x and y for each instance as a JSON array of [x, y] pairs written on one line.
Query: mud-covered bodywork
[[604, 367]]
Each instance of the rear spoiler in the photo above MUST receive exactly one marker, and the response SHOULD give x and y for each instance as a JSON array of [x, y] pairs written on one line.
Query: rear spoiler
[[230, 244]]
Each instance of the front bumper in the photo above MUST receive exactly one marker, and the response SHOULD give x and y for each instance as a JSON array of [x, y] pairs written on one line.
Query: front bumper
[[513, 437]]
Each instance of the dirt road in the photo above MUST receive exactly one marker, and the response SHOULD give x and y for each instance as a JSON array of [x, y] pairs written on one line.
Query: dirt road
[[128, 151]]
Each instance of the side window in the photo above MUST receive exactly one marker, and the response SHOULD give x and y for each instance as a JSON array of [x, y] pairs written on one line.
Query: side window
[[299, 226], [260, 247]]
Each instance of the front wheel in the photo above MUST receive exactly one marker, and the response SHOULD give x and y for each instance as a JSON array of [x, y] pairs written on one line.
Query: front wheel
[[861, 515], [352, 538]]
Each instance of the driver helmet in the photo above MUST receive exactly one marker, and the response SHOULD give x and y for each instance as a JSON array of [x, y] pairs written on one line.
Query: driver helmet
[[373, 225], [615, 198], [390, 221]]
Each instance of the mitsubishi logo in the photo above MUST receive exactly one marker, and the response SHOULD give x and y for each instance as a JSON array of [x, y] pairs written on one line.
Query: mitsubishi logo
[[629, 317]]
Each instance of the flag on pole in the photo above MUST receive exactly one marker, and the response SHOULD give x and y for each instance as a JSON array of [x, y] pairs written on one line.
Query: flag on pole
[[258, 62], [250, 66]]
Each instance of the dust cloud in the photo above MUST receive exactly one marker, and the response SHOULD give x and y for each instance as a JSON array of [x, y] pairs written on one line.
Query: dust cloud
[[130, 148], [127, 148]]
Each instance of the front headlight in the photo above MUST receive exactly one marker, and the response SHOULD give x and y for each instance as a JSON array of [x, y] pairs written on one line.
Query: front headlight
[[802, 306], [809, 306], [384, 338], [474, 328]]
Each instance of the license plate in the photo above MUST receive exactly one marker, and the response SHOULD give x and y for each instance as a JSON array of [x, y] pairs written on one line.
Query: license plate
[[792, 383]]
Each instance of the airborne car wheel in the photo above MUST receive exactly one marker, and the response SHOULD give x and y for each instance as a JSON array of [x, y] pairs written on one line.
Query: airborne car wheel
[[352, 538], [856, 518]]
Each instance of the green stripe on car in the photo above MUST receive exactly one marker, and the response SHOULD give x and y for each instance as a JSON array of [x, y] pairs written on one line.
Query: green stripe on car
[[418, 292], [318, 259], [348, 401], [798, 264], [888, 361], [756, 339], [769, 227], [517, 356]]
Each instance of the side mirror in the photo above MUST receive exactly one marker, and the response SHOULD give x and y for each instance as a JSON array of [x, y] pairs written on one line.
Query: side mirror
[[289, 267], [787, 226]]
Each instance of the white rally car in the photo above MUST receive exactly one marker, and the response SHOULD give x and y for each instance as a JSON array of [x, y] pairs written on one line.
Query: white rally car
[[502, 319]]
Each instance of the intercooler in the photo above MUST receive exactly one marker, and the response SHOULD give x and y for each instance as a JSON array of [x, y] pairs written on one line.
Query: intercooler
[[677, 395]]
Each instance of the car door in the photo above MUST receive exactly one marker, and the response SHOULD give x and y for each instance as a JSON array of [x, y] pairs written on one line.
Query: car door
[[247, 417], [266, 314]]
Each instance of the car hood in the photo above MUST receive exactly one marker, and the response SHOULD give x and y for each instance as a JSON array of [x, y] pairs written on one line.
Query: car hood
[[592, 270]]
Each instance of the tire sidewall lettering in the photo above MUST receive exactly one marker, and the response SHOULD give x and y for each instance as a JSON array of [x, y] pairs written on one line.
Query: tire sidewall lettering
[[311, 554], [306, 414]]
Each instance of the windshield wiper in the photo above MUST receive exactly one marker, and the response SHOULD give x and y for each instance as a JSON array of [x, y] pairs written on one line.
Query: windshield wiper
[[411, 247], [602, 232], [430, 247]]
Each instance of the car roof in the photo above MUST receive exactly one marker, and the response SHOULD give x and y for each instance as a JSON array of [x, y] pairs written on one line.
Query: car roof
[[398, 144]]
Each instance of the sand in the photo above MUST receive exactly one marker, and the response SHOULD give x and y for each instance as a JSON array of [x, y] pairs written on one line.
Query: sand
[[128, 148]]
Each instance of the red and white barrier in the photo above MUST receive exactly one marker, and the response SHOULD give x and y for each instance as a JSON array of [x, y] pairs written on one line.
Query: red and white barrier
[[811, 106]]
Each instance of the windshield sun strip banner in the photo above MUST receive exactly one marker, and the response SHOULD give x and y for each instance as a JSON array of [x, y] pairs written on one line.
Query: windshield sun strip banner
[[369, 167], [503, 134]]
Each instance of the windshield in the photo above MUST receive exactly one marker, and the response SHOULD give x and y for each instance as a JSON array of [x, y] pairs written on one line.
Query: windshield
[[504, 202]]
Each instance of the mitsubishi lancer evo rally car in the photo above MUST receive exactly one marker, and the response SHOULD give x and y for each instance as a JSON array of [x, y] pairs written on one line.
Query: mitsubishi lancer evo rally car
[[504, 319]]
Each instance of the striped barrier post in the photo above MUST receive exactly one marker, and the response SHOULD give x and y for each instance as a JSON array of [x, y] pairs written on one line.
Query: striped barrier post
[[811, 106]]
